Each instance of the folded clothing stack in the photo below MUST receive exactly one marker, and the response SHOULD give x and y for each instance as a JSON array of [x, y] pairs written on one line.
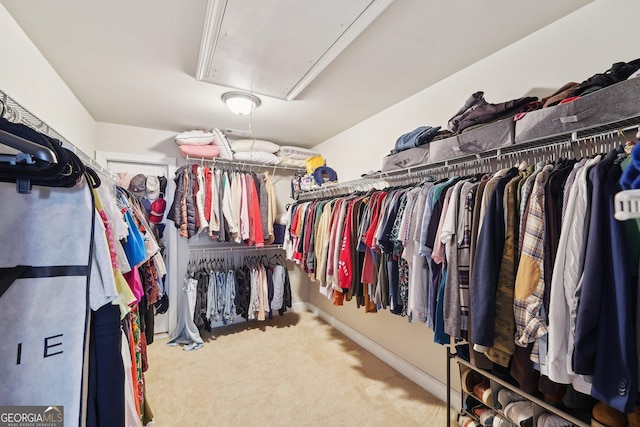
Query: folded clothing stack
[[417, 137], [476, 111]]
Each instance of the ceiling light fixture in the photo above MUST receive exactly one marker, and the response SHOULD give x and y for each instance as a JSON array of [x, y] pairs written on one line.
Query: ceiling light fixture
[[241, 103]]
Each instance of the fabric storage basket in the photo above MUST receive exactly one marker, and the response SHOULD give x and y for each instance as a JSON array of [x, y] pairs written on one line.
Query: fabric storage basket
[[444, 149], [487, 137], [407, 158], [610, 104]]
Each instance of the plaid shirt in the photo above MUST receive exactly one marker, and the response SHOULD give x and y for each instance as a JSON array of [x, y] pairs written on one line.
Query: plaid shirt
[[464, 252], [529, 289]]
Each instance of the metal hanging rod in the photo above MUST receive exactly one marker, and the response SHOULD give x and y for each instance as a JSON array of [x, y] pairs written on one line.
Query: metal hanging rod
[[242, 165], [20, 114], [560, 144], [236, 248]]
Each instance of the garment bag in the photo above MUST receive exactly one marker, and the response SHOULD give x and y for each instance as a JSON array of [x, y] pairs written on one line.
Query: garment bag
[[45, 259]]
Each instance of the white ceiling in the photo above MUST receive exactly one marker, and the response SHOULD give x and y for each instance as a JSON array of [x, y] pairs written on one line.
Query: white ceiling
[[134, 62]]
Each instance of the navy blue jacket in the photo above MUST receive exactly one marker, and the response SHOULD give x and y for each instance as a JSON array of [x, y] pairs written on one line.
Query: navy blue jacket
[[604, 342], [486, 267]]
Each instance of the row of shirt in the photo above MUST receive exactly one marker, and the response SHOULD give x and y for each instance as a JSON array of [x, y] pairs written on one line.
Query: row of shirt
[[132, 269], [216, 293], [253, 291], [529, 259], [228, 206]]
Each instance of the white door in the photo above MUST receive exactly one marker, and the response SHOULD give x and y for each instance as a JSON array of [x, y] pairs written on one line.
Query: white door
[[135, 164]]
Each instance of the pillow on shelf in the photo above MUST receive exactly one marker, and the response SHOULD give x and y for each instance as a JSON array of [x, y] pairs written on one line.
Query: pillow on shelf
[[245, 145], [296, 152], [221, 141], [200, 151], [257, 157], [194, 137]]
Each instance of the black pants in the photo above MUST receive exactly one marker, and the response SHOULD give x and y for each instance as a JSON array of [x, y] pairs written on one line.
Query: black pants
[[105, 407]]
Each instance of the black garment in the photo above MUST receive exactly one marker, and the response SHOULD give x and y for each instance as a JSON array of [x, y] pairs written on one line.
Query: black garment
[[554, 191], [270, 290], [175, 211], [194, 187], [106, 401], [243, 291], [287, 293], [357, 257], [200, 312], [618, 72], [147, 319]]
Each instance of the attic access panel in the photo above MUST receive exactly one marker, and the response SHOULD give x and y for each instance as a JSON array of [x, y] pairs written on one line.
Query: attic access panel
[[277, 47]]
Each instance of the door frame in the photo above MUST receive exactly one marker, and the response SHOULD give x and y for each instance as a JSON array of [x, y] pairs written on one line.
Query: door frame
[[103, 158]]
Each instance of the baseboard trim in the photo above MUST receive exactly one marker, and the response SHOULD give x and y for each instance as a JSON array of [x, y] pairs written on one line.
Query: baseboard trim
[[421, 378], [298, 307]]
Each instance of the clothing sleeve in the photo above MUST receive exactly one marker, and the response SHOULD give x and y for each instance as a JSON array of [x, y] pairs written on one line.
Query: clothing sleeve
[[227, 205], [529, 288], [102, 289], [344, 263], [484, 279]]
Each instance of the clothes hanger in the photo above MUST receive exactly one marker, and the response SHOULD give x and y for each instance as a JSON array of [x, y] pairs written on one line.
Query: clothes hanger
[[28, 147]]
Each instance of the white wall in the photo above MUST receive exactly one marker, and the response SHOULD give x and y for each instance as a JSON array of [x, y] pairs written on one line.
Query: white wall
[[135, 140], [572, 49], [27, 77]]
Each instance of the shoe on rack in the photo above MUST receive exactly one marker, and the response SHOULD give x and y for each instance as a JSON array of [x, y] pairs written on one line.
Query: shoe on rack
[[467, 421], [633, 418], [604, 415], [470, 379], [506, 396], [483, 392]]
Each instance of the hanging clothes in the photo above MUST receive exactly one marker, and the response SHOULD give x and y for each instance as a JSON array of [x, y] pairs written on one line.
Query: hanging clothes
[[228, 206], [506, 260]]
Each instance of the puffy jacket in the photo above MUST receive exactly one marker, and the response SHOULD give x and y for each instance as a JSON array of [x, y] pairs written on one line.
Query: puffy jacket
[[190, 202], [174, 213]]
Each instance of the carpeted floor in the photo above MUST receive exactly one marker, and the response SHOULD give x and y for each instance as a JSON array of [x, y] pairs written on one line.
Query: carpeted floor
[[294, 370]]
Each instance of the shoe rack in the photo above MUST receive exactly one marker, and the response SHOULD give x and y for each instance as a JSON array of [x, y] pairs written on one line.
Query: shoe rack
[[481, 395]]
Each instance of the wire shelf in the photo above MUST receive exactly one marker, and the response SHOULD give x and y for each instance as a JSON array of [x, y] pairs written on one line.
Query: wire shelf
[[27, 118]]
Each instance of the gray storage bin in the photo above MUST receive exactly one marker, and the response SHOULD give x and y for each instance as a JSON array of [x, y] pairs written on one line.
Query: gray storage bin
[[608, 105], [487, 137], [444, 149], [407, 158], [476, 140]]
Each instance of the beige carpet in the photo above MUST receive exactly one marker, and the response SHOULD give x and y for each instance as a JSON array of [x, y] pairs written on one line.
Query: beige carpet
[[294, 370]]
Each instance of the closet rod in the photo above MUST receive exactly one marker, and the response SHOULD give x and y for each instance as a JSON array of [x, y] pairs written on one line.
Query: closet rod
[[575, 139], [20, 114], [203, 250], [243, 164]]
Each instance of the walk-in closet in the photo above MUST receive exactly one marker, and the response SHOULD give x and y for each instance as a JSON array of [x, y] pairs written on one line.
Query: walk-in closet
[[378, 213]]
